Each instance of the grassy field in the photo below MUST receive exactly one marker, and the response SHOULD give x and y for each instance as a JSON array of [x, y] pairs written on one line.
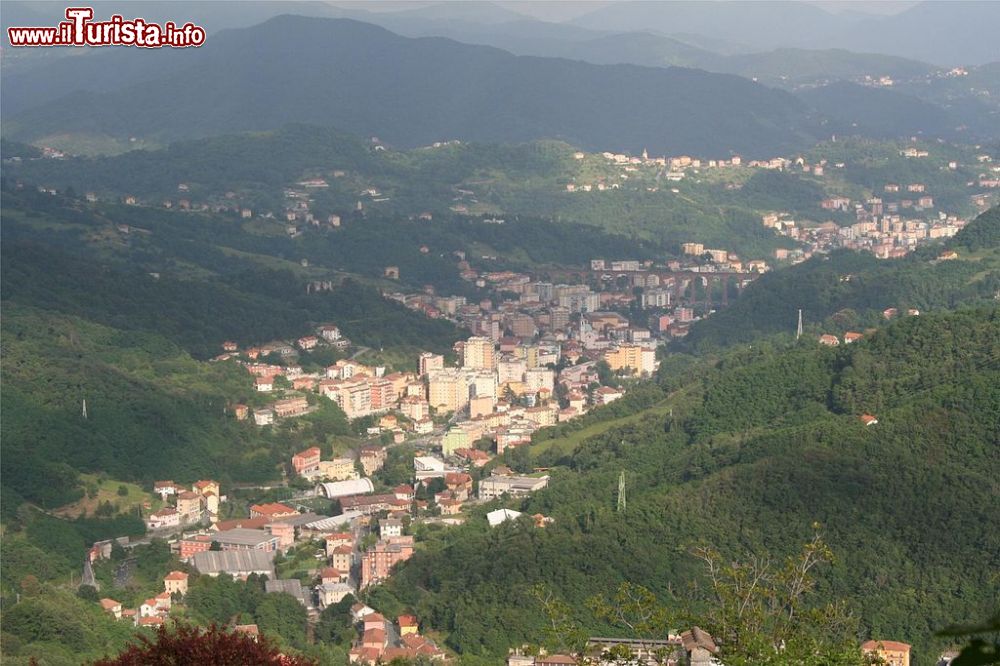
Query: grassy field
[[107, 490], [678, 400]]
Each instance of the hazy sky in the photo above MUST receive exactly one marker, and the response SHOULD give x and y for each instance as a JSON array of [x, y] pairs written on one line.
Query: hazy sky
[[565, 10]]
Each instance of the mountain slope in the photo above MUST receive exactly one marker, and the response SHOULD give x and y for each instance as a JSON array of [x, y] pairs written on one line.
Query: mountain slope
[[787, 66], [855, 109], [772, 443], [183, 277], [412, 92]]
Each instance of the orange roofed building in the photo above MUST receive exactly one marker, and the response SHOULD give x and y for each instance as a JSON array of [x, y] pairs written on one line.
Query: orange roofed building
[[307, 460], [176, 582], [892, 653], [272, 511]]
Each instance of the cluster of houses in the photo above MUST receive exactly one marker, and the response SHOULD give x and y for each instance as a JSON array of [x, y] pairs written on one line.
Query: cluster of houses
[[888, 227], [154, 611], [382, 641], [677, 168], [248, 546], [356, 494], [830, 340], [185, 507], [503, 388], [724, 259], [558, 317]]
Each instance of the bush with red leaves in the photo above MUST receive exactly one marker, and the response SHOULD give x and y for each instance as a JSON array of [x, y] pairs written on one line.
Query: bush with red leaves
[[194, 646]]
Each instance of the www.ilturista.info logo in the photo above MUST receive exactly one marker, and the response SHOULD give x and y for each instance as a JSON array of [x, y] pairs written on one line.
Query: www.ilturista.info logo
[[79, 30]]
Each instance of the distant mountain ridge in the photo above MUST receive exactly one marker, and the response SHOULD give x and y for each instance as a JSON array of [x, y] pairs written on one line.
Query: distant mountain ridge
[[928, 31], [412, 92]]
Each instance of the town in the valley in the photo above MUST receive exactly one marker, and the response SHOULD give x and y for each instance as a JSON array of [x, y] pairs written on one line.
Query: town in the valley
[[543, 349], [504, 332], [544, 355]]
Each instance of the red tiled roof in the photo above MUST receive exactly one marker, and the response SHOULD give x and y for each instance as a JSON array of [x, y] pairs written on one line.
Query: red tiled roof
[[367, 655], [272, 508], [374, 636], [339, 536], [887, 645], [166, 511], [249, 629], [247, 523]]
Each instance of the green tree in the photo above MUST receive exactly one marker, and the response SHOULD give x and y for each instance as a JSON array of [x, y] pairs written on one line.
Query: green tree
[[759, 611], [637, 610]]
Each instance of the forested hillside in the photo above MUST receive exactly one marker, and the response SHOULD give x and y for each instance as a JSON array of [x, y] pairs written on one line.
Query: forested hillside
[[524, 184], [771, 444], [200, 280], [627, 212]]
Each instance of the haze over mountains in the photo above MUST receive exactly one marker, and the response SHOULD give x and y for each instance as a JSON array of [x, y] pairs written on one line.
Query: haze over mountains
[[408, 92], [940, 33]]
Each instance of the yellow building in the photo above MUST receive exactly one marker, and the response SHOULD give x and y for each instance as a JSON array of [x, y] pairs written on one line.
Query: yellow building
[[189, 506], [531, 356], [408, 625], [481, 406], [892, 653], [447, 390], [176, 582], [542, 416], [479, 354], [338, 469], [639, 359], [205, 487]]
